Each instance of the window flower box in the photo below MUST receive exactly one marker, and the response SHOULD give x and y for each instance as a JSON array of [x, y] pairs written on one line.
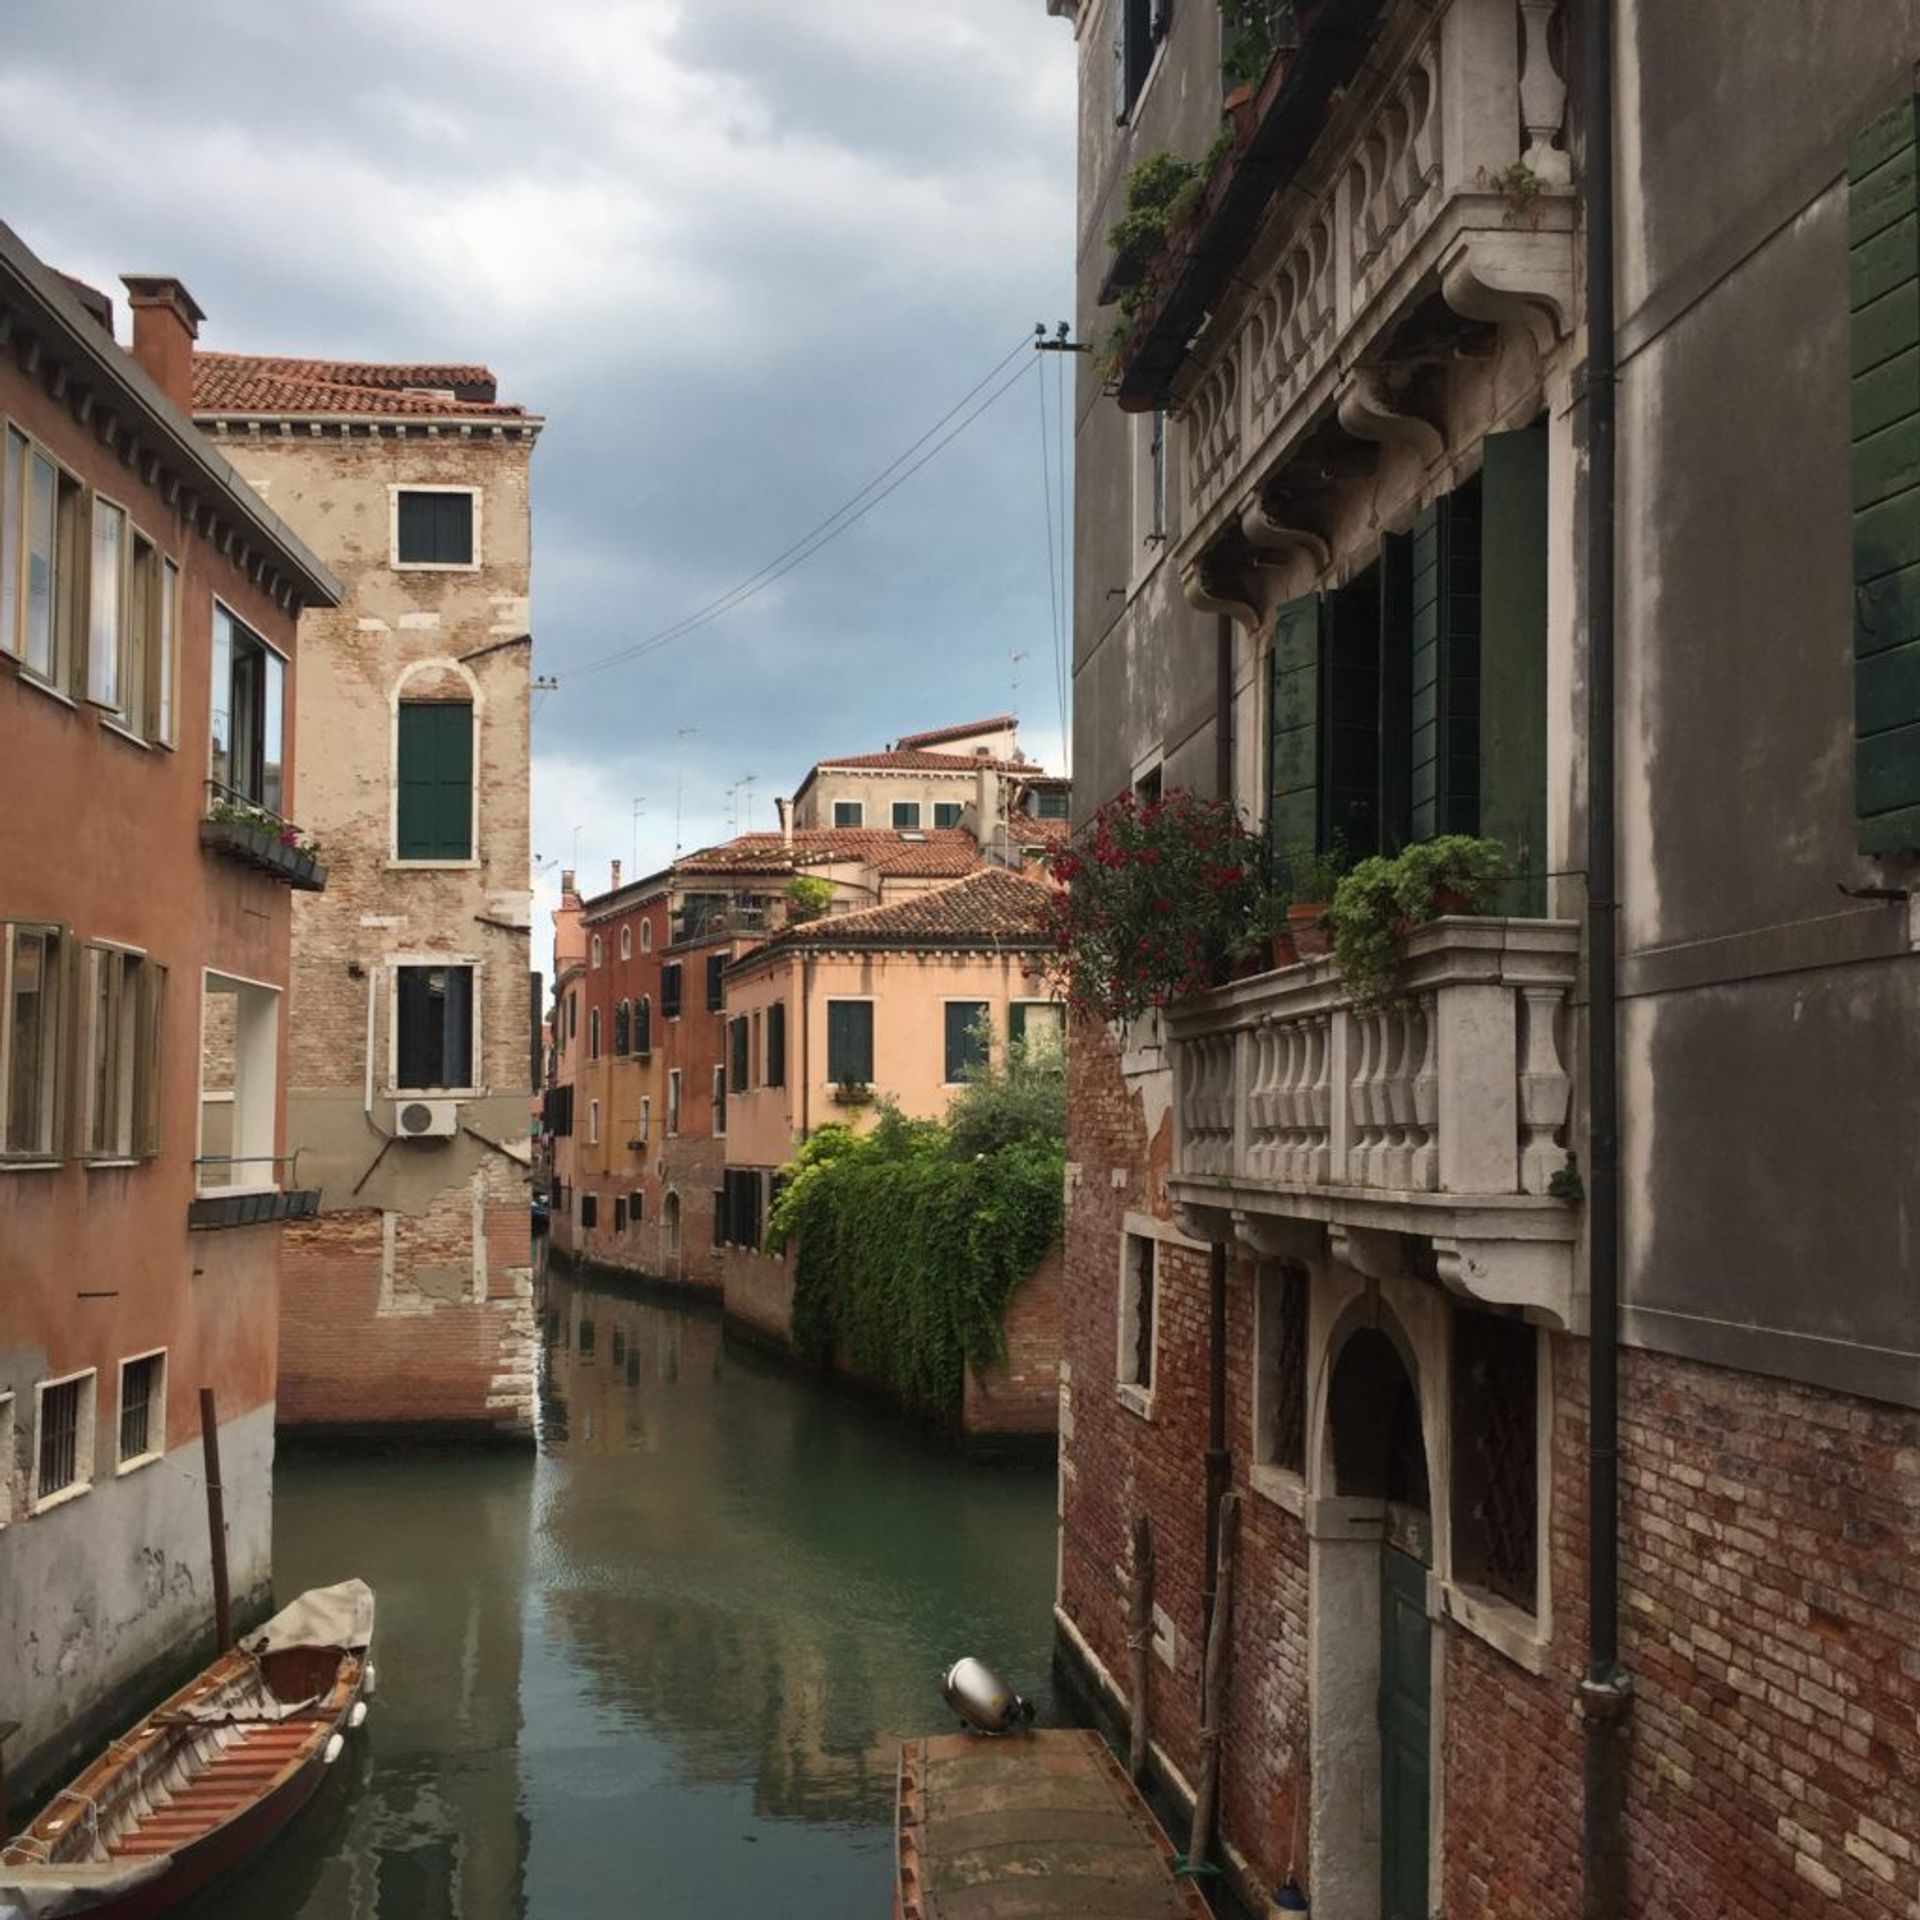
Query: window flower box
[[262, 840]]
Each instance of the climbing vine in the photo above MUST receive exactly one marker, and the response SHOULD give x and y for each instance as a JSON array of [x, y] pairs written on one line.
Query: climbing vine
[[909, 1250]]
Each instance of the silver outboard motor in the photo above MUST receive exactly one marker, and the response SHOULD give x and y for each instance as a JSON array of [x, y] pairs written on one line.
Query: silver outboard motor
[[983, 1700]]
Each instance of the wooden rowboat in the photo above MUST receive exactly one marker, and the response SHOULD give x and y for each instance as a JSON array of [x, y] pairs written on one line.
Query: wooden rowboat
[[208, 1777]]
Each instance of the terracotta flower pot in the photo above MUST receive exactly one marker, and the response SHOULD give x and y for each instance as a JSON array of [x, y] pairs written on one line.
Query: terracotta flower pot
[[1307, 929]]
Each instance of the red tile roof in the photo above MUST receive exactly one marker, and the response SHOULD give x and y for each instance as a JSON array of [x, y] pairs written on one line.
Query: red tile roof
[[938, 852], [918, 760], [993, 908], [998, 724], [268, 384]]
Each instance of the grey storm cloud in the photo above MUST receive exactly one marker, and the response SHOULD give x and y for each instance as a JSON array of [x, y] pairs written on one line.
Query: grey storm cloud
[[739, 254]]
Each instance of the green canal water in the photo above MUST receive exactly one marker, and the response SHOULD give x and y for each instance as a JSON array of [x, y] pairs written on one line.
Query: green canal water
[[661, 1667]]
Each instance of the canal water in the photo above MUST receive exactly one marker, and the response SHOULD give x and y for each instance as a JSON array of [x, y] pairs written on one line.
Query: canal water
[[661, 1667]]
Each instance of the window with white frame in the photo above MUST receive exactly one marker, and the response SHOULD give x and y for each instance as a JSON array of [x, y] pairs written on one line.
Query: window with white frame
[[63, 1426], [107, 607], [249, 714], [673, 1103], [594, 955], [1496, 1476], [45, 535], [906, 814], [670, 1226], [433, 1046], [646, 936], [1281, 1295], [33, 972], [849, 813], [1037, 1026], [143, 1409], [124, 996], [593, 1033], [646, 1118], [239, 1085], [1139, 1334], [435, 526], [626, 943], [593, 1123]]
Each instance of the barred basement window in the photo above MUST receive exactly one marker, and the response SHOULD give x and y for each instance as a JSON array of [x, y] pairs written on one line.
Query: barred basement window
[[1137, 1277], [1280, 1401], [1496, 1455], [619, 1214], [63, 1443], [143, 1409]]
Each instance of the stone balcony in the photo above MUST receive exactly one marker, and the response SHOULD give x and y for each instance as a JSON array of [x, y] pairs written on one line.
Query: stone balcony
[[1443, 180], [1422, 1136]]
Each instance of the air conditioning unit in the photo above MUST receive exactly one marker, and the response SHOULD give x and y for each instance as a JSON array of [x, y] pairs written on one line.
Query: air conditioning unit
[[427, 1119]]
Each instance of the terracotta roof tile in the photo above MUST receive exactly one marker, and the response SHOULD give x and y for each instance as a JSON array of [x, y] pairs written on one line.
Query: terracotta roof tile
[[253, 383], [998, 724], [918, 760], [939, 852], [994, 907]]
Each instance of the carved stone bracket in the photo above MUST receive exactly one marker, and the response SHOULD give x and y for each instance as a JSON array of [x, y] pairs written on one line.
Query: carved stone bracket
[[1368, 412], [1214, 1225], [1268, 535], [1274, 1237], [1369, 1251], [1513, 279], [1534, 1274], [1214, 588]]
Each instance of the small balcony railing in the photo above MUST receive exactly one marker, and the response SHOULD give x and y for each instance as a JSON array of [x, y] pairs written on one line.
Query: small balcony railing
[[1430, 1135], [241, 829]]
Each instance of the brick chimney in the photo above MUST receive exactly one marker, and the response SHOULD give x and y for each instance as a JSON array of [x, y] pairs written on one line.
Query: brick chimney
[[166, 322], [784, 808]]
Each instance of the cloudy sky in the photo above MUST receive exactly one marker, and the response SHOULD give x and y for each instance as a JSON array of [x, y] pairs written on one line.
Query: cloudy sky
[[741, 254]]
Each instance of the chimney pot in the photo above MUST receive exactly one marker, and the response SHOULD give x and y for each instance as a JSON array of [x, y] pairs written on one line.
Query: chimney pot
[[566, 880], [616, 873], [784, 808], [166, 322]]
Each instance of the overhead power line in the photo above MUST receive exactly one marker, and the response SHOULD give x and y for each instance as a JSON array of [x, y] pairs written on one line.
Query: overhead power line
[[894, 474]]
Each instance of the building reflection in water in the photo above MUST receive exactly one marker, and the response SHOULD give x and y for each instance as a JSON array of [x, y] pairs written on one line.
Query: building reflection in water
[[664, 1667]]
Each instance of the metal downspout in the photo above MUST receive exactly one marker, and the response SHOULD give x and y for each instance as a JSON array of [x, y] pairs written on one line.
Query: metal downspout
[[1606, 1693]]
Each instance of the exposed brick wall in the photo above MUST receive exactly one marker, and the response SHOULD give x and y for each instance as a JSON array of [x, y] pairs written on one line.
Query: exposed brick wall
[[757, 1291], [1769, 1606], [1019, 1393]]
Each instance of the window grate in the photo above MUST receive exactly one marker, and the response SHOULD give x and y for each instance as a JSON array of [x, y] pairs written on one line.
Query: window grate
[[1287, 1376], [1495, 1492], [60, 1437], [139, 1385]]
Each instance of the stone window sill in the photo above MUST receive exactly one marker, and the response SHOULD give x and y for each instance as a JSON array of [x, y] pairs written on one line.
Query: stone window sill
[[1137, 1400], [1282, 1486], [47, 1502], [139, 1460], [1504, 1627]]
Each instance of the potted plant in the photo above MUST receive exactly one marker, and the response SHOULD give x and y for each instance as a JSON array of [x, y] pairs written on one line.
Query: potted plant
[[1311, 877], [808, 897], [1378, 903], [853, 1093], [1159, 897]]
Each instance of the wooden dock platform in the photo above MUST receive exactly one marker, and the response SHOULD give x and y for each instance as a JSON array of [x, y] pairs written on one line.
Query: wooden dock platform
[[1037, 1826]]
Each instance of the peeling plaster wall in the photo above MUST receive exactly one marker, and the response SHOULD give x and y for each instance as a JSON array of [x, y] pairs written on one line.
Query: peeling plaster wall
[[118, 1581], [460, 1244]]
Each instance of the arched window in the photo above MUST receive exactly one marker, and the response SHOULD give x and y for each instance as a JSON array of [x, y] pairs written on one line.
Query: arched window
[[646, 936], [670, 1226], [622, 1029], [626, 943], [643, 1025], [595, 955]]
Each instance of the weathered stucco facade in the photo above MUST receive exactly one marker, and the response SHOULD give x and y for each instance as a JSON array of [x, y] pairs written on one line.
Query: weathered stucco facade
[[409, 1299], [125, 1286], [1370, 350]]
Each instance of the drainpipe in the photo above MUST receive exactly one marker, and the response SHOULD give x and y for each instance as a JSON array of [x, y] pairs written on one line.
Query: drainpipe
[[1606, 1693], [1219, 1460]]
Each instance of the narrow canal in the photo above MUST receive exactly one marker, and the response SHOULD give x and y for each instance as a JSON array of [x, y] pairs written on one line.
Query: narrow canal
[[659, 1669]]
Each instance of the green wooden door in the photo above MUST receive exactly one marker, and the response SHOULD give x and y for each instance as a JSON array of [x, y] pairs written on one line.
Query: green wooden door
[[1406, 1657]]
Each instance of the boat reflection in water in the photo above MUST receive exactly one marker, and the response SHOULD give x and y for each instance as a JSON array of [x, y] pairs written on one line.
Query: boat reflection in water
[[666, 1665]]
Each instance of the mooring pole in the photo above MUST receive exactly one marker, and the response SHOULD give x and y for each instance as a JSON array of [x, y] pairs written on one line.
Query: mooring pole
[[216, 1524]]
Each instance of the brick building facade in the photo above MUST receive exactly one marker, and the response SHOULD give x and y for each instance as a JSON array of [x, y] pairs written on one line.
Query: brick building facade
[[148, 613], [1346, 490], [410, 1296]]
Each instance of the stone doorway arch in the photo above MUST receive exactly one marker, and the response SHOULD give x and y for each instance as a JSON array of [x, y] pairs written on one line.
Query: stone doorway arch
[[1371, 1644]]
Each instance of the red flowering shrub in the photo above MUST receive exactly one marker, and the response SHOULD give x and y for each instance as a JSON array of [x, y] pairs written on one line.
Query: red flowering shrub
[[1158, 895]]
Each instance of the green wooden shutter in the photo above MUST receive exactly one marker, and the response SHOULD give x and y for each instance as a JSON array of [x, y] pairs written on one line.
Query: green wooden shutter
[[1883, 232], [850, 1042], [436, 780], [777, 1044], [1395, 730], [1513, 659], [1444, 778], [1293, 724], [1349, 756]]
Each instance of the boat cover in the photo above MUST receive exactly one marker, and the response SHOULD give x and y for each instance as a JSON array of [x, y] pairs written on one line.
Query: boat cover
[[339, 1616], [45, 1893]]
